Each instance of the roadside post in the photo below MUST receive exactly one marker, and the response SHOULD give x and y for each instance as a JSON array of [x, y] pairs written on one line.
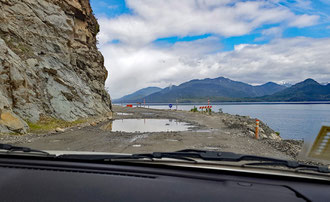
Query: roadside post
[[257, 129], [177, 104], [144, 102]]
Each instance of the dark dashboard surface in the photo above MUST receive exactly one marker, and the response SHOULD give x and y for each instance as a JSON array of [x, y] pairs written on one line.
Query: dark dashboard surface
[[35, 180]]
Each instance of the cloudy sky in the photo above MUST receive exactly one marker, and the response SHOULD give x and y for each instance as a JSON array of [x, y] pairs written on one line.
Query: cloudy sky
[[163, 42]]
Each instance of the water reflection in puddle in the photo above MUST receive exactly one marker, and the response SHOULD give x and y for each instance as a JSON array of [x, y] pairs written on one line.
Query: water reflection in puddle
[[136, 145], [137, 137], [212, 148], [172, 140], [124, 114], [146, 125], [205, 130], [148, 113]]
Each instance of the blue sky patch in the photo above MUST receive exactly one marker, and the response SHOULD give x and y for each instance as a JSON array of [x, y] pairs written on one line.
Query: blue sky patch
[[319, 31], [229, 43], [115, 8], [110, 8], [175, 39]]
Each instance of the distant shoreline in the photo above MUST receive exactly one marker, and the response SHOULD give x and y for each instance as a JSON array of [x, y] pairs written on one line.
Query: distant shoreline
[[227, 103]]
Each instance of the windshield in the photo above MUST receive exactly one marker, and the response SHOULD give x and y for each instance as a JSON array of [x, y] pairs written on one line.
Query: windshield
[[141, 76]]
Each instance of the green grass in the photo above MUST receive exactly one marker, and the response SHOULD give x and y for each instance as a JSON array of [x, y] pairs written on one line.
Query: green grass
[[47, 124]]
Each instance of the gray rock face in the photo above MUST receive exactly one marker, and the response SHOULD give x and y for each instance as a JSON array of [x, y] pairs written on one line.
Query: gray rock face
[[49, 63]]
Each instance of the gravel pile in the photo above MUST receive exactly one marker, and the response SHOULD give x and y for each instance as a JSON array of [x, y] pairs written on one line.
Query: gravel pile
[[290, 147], [248, 125]]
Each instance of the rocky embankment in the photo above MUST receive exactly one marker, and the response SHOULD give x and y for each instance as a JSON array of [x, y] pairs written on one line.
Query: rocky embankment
[[248, 126], [266, 135], [49, 63]]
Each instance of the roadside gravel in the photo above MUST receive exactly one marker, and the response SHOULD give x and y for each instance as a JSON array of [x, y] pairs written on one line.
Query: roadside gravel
[[218, 131]]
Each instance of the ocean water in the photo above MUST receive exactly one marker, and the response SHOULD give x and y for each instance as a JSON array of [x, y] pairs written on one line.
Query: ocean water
[[293, 121]]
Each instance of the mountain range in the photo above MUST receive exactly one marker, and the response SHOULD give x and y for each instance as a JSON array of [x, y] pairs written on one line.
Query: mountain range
[[224, 89], [138, 95], [308, 90]]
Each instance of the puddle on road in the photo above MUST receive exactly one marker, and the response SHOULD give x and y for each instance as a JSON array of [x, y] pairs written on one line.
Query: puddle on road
[[148, 113], [124, 114], [146, 125], [203, 131], [212, 148], [172, 140], [136, 145], [138, 137]]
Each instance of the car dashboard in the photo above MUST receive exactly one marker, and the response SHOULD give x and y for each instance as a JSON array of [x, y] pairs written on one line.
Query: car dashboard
[[25, 179]]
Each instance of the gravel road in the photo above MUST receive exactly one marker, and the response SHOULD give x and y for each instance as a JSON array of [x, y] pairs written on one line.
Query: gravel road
[[218, 131]]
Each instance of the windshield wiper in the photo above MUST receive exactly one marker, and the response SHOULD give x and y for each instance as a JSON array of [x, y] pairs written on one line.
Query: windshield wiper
[[110, 157], [264, 161], [294, 165], [191, 155], [10, 148], [187, 155]]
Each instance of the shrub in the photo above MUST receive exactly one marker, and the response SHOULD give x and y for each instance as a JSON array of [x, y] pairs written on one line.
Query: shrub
[[194, 109]]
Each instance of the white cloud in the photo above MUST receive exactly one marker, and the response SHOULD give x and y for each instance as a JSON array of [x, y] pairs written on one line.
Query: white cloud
[[157, 19], [288, 60], [302, 4], [304, 21], [308, 7], [283, 60], [274, 32], [135, 62]]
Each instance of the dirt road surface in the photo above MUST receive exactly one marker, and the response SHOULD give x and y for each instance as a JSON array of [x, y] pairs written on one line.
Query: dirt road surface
[[207, 132]]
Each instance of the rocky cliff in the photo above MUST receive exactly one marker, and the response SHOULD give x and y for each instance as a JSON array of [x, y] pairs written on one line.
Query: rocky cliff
[[49, 62]]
